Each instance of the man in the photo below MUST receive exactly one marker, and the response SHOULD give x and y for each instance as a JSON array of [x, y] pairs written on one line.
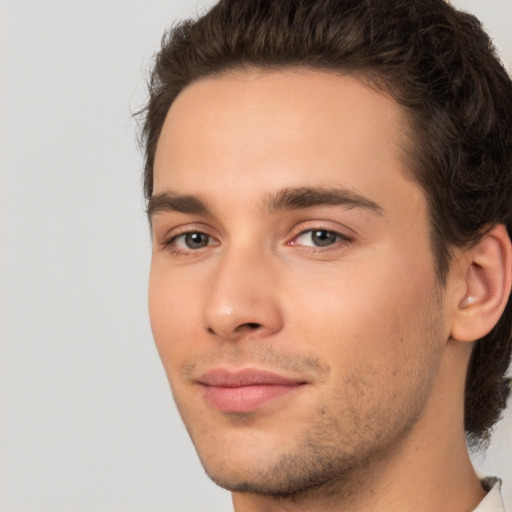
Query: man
[[328, 187]]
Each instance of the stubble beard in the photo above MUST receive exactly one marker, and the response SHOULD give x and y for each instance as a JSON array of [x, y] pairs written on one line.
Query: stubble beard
[[326, 460], [333, 451]]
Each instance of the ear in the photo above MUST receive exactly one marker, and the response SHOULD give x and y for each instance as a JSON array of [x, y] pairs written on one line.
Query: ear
[[485, 271]]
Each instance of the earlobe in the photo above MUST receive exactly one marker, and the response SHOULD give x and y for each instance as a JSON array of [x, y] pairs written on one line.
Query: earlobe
[[487, 282]]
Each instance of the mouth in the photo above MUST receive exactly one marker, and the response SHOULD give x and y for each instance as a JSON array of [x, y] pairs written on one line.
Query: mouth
[[246, 390]]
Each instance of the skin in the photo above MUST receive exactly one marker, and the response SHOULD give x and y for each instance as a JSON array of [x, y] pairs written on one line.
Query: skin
[[362, 321]]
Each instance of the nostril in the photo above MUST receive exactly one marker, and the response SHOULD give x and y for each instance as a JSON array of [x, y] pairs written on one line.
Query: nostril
[[248, 326], [252, 325]]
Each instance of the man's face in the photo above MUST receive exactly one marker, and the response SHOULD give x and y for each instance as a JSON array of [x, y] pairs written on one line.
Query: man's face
[[293, 297]]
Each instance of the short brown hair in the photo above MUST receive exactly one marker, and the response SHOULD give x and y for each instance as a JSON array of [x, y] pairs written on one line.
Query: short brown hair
[[437, 62]]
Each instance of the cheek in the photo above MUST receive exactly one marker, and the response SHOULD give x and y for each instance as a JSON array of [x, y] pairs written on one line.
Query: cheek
[[174, 314], [364, 312], [380, 341]]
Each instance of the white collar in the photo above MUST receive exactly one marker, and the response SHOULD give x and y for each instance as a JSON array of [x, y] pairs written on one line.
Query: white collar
[[493, 501]]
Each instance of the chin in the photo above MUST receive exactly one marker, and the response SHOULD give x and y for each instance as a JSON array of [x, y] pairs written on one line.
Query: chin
[[284, 479], [275, 467], [283, 461]]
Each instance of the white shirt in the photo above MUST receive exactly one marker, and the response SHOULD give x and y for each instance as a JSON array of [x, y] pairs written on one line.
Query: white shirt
[[493, 501]]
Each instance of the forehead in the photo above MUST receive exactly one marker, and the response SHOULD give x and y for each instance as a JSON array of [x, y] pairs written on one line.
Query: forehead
[[266, 129]]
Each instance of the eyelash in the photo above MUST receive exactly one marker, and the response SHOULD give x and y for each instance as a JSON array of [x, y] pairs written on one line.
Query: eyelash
[[339, 238], [171, 244]]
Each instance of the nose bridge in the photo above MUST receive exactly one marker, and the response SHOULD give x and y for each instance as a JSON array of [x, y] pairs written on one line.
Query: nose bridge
[[241, 295]]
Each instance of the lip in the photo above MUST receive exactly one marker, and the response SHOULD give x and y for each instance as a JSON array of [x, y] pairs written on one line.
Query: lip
[[245, 390]]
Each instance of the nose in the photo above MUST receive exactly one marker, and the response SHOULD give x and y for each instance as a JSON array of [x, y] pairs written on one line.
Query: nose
[[242, 299]]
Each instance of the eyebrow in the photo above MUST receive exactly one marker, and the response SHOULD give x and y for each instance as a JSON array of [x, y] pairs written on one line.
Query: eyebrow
[[172, 202], [307, 197], [285, 199]]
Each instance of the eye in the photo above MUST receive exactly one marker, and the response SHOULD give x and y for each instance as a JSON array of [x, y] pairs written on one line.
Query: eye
[[318, 238], [192, 240]]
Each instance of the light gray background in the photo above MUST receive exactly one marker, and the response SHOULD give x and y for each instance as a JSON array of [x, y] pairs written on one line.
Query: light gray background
[[87, 421]]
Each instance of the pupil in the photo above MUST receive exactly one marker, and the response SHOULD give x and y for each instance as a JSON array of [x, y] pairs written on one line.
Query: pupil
[[323, 238], [196, 240]]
